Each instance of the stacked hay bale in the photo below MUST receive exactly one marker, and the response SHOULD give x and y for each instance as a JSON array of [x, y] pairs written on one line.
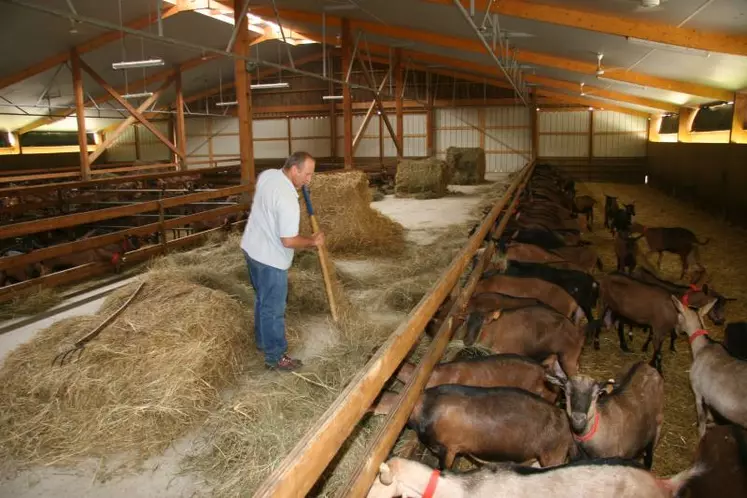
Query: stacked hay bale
[[467, 165], [342, 205], [422, 179]]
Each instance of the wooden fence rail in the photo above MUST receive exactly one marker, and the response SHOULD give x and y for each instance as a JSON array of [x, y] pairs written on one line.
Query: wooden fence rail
[[301, 468]]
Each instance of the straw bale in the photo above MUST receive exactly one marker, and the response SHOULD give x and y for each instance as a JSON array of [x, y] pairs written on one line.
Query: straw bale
[[342, 205], [467, 165], [423, 179]]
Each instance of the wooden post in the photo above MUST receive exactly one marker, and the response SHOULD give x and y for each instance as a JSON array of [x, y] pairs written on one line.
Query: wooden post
[[210, 141], [534, 123], [172, 137], [332, 116], [591, 135], [136, 132], [687, 115], [347, 104], [181, 131], [80, 114], [242, 81], [429, 125], [738, 133], [381, 139], [481, 125], [290, 142], [399, 90]]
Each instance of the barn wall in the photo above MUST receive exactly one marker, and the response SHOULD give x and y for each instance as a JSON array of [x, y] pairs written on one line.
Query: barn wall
[[504, 133], [151, 149], [711, 176]]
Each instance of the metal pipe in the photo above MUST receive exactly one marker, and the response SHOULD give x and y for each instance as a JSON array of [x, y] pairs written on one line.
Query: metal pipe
[[159, 17], [49, 85], [235, 32], [173, 41], [69, 107], [465, 14]]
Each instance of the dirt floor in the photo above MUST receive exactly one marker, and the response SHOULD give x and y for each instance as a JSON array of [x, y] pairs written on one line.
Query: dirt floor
[[164, 475], [725, 258]]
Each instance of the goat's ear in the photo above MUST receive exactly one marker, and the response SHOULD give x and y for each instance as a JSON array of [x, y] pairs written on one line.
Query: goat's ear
[[677, 304], [705, 309], [556, 381]]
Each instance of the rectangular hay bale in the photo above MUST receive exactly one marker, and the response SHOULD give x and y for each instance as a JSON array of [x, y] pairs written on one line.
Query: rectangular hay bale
[[467, 165], [423, 179]]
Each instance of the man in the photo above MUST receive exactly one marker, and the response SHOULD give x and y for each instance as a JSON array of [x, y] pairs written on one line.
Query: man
[[269, 241]]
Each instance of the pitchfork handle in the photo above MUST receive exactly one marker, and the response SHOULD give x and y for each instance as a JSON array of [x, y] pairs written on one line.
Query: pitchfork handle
[[323, 256]]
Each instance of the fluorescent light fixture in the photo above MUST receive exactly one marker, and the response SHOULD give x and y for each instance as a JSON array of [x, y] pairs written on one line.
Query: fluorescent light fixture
[[332, 97], [226, 104], [137, 64], [591, 108], [260, 86], [11, 139], [137, 95], [627, 83], [645, 179], [667, 46], [342, 6]]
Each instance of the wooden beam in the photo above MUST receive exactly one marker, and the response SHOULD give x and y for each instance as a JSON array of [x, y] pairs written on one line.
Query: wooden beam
[[136, 132], [399, 90], [527, 57], [123, 102], [332, 117], [122, 126], [380, 106], [685, 124], [612, 24], [133, 86], [244, 97], [367, 118], [481, 126], [562, 97], [80, 114], [593, 91], [381, 138], [181, 131], [430, 127], [290, 141], [738, 134], [82, 48], [591, 135], [347, 107], [534, 124], [209, 131]]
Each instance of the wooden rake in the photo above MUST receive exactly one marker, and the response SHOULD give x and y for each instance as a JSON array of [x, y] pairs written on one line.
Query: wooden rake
[[323, 256], [80, 344]]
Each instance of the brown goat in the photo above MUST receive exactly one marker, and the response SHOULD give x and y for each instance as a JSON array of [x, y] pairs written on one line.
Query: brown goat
[[677, 240], [497, 424], [582, 258], [534, 331], [626, 251], [622, 422], [541, 290], [722, 454]]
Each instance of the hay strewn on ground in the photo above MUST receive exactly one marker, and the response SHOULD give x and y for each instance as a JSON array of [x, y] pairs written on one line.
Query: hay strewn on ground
[[725, 258], [466, 165], [342, 207], [30, 303], [423, 179]]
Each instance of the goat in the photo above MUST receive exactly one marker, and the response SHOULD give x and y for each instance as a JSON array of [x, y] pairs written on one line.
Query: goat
[[717, 378], [677, 240], [610, 208], [626, 249], [583, 479], [535, 331], [584, 257], [624, 421], [722, 451], [496, 424], [585, 204]]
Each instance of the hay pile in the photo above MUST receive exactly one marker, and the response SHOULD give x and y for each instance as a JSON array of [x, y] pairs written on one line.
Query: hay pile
[[342, 205], [30, 303], [466, 164], [422, 179]]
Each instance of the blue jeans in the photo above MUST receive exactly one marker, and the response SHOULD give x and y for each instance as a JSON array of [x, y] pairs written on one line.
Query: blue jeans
[[271, 290]]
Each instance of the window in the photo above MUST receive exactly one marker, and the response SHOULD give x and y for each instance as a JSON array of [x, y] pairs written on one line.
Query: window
[[5, 139], [716, 118], [669, 124], [53, 138]]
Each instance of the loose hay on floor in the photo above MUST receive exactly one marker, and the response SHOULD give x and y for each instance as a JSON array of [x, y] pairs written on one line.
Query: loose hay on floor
[[466, 164], [423, 179], [30, 303], [342, 207]]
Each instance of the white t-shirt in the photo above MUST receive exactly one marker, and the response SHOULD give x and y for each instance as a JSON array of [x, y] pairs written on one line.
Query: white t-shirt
[[275, 213]]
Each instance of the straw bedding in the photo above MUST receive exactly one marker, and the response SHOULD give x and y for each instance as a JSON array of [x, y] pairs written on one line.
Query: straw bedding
[[342, 207], [422, 179], [467, 165]]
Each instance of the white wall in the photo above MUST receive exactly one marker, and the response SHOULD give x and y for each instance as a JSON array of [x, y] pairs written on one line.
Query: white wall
[[504, 132], [151, 149], [563, 133], [619, 135]]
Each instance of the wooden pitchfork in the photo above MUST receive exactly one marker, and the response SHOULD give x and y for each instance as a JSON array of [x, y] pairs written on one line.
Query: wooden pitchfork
[[80, 344], [323, 256]]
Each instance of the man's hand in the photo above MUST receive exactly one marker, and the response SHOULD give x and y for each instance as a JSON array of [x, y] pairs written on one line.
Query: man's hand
[[318, 239]]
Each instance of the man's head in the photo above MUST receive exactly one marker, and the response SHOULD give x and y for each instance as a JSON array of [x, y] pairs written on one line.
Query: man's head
[[299, 167]]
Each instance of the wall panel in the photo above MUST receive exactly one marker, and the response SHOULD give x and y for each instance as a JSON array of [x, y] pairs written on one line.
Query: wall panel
[[563, 134], [619, 135]]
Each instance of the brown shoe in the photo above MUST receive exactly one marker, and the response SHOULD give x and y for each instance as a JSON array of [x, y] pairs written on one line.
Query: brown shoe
[[286, 363]]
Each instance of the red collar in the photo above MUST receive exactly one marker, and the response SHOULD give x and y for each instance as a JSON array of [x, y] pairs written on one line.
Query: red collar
[[430, 489], [697, 334], [592, 431], [686, 297]]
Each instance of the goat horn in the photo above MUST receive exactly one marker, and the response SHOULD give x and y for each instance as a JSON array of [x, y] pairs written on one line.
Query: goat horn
[[385, 475]]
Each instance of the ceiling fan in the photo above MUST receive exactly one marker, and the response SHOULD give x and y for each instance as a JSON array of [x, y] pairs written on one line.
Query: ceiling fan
[[600, 68], [645, 5]]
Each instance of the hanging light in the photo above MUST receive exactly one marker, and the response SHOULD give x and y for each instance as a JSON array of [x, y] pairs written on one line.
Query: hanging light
[[137, 64]]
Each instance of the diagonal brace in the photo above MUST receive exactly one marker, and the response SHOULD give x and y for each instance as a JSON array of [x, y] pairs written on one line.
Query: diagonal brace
[[380, 106]]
